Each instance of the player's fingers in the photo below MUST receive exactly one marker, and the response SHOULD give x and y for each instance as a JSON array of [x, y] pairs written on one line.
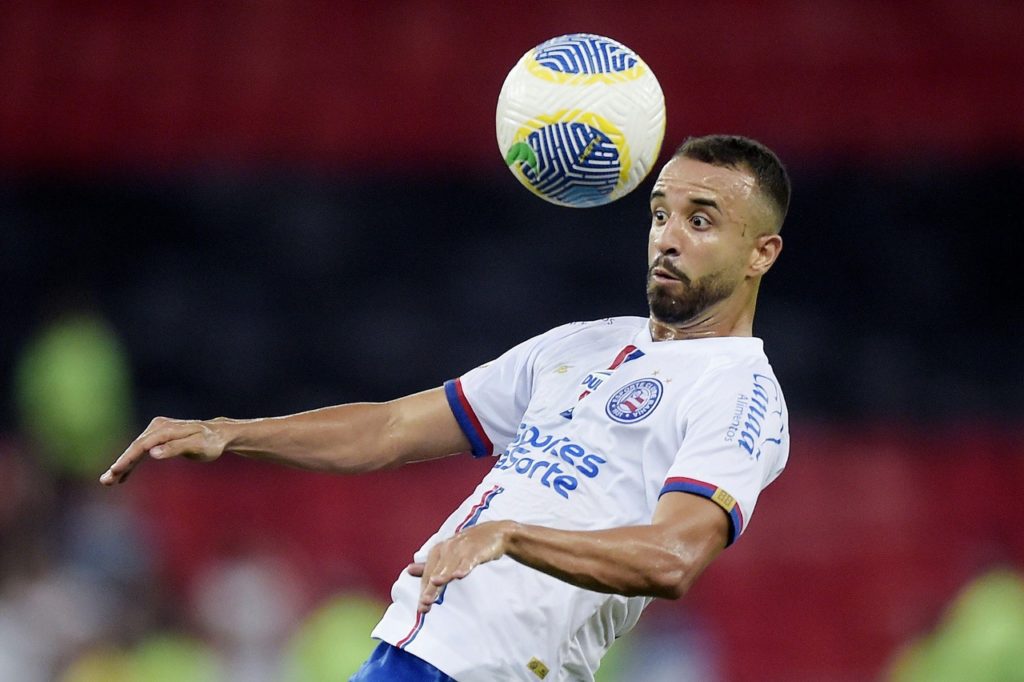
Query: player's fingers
[[458, 567], [192, 445], [415, 569], [464, 555], [458, 570], [112, 476], [441, 579], [428, 592], [439, 573], [428, 595], [159, 431], [124, 464]]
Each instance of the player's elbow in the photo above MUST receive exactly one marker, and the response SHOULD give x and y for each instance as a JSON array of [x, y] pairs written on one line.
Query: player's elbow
[[673, 577], [674, 582]]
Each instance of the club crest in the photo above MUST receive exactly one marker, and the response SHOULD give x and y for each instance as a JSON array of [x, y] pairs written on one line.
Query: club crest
[[634, 401]]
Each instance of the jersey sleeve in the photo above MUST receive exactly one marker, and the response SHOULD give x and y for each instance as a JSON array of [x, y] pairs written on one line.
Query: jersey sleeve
[[735, 443], [489, 401]]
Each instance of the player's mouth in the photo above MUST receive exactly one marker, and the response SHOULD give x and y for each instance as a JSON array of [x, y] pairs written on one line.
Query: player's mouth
[[663, 272], [663, 275]]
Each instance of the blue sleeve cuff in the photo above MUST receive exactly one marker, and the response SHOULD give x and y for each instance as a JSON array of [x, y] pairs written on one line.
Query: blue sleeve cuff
[[469, 423], [717, 495]]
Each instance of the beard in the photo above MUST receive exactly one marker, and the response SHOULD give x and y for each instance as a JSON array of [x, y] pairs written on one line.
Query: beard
[[685, 301]]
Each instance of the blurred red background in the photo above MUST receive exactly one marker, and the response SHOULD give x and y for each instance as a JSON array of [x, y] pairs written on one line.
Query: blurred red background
[[412, 84], [878, 520], [854, 551]]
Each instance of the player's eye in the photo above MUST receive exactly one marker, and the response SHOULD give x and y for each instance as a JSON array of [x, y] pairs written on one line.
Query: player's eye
[[659, 215], [700, 221]]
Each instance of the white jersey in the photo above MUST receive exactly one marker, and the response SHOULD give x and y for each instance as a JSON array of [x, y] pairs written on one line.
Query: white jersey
[[592, 423]]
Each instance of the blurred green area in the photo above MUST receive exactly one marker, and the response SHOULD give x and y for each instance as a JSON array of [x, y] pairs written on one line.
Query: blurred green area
[[159, 658], [329, 646], [334, 640], [981, 637], [73, 392]]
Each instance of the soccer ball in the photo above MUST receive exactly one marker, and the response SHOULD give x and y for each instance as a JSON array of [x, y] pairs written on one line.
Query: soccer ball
[[580, 120]]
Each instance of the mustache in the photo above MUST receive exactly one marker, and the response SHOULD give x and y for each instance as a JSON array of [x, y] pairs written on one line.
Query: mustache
[[663, 263]]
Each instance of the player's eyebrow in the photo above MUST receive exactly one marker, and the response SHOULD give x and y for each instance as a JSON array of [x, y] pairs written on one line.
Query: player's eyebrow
[[703, 201], [700, 201]]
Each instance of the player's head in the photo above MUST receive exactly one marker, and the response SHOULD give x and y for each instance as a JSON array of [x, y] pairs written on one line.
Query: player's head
[[743, 153], [716, 211]]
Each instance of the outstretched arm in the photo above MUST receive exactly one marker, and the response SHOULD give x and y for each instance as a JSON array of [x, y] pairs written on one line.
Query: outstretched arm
[[344, 438], [661, 559]]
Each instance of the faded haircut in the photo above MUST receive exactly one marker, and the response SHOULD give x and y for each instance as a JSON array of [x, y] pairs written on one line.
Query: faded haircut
[[743, 153]]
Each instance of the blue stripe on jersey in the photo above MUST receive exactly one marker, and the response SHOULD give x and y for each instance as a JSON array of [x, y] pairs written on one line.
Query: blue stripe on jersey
[[471, 520], [479, 508], [711, 492], [417, 626], [467, 420]]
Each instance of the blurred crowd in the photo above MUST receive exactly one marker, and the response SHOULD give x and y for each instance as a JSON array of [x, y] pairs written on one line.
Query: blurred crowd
[[83, 595]]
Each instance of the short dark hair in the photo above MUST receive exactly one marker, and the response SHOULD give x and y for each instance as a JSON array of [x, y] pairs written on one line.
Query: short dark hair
[[735, 151]]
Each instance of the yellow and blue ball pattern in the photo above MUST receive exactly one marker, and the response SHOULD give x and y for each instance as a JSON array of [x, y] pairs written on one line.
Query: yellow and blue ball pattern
[[572, 157], [563, 119], [584, 59]]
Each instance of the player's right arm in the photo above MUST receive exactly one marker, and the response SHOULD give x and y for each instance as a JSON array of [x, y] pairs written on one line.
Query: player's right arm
[[349, 438]]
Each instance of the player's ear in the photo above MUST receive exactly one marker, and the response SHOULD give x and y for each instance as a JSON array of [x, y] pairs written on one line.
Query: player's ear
[[764, 253]]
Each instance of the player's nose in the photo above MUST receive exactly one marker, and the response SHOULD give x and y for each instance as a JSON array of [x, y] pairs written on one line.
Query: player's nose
[[667, 238]]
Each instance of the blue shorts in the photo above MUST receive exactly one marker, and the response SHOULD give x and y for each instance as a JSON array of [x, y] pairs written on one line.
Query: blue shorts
[[388, 663]]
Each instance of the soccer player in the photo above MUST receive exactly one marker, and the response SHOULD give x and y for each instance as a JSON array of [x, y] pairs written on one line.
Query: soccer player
[[630, 451]]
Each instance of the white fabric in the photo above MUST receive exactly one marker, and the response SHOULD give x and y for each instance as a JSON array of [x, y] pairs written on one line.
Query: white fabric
[[717, 428]]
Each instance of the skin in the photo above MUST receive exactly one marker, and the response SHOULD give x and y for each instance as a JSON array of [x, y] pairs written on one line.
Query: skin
[[709, 223], [712, 235]]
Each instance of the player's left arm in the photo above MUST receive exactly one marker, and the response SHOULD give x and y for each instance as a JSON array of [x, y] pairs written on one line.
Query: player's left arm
[[661, 559]]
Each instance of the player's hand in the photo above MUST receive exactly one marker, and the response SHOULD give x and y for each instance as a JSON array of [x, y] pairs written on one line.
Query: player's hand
[[166, 438], [454, 558]]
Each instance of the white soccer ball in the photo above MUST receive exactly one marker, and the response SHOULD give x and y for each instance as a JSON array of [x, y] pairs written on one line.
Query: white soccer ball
[[580, 120]]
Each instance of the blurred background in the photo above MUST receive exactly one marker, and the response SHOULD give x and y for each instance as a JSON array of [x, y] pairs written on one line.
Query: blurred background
[[256, 208]]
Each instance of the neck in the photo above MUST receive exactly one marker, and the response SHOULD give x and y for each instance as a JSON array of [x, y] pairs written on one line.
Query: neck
[[733, 316]]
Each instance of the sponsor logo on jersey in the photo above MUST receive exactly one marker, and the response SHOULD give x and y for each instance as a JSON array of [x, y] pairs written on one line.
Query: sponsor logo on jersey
[[593, 381], [635, 400], [757, 418], [738, 414], [554, 462]]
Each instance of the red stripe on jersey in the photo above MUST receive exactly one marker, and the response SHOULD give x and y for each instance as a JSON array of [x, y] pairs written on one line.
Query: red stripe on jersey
[[412, 633], [473, 419], [622, 356]]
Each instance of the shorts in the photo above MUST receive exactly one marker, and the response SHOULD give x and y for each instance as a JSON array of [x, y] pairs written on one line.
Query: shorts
[[388, 663]]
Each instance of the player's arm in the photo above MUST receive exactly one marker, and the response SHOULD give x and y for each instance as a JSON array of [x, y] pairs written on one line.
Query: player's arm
[[345, 438], [661, 559]]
